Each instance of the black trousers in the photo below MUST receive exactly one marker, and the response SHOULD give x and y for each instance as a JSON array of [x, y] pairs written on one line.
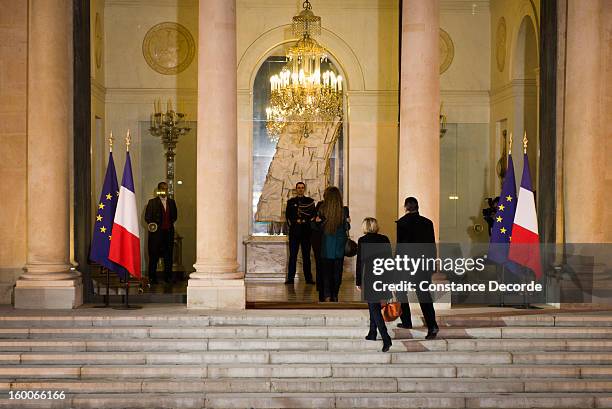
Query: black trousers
[[331, 270], [297, 241], [377, 322], [427, 307], [164, 249]]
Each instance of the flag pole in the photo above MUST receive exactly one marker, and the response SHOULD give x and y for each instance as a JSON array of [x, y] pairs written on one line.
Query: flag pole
[[105, 269], [126, 305], [107, 295], [503, 272]]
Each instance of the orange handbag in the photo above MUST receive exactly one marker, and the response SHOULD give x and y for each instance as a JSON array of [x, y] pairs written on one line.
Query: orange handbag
[[391, 311]]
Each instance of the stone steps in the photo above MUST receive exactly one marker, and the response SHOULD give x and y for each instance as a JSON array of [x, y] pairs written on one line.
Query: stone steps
[[310, 385], [283, 333], [282, 359], [293, 370], [305, 344], [323, 400], [303, 357], [356, 318]]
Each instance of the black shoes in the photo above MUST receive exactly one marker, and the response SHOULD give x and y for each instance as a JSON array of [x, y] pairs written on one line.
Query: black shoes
[[310, 282], [432, 332], [386, 345], [371, 336], [288, 281]]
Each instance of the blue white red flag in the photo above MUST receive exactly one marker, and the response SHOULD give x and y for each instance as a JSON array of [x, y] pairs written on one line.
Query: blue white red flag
[[105, 214], [525, 244], [125, 243]]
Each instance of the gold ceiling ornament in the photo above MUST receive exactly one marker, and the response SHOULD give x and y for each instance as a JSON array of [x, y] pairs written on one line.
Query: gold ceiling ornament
[[300, 93]]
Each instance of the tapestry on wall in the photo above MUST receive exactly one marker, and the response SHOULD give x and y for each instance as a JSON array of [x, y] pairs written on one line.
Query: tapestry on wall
[[297, 158]]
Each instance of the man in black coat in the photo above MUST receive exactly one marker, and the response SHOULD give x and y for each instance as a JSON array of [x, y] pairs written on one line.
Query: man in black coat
[[299, 212], [160, 215], [418, 233]]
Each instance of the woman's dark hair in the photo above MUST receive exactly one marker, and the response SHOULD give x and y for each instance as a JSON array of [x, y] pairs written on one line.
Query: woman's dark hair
[[331, 209]]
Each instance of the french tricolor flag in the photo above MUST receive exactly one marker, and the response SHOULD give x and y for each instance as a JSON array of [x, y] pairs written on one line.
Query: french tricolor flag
[[125, 240], [525, 240]]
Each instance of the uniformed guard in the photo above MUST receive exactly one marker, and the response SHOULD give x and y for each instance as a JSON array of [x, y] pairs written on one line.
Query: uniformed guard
[[300, 210]]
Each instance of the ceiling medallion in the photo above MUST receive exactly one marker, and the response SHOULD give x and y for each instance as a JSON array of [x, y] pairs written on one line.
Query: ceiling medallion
[[168, 48]]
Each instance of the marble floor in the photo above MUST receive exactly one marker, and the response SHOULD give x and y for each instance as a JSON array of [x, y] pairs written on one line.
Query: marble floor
[[300, 295]]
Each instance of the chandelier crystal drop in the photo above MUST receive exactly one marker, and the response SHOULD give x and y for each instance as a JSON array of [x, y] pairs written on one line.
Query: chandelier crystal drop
[[300, 93]]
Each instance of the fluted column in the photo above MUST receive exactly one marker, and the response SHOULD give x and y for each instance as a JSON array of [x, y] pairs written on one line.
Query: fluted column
[[419, 145], [47, 281], [216, 283], [582, 153]]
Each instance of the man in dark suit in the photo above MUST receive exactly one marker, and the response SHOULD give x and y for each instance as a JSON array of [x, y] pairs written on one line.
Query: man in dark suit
[[160, 215], [417, 232], [299, 212]]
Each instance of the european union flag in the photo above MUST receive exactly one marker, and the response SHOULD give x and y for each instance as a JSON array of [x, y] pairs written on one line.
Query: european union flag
[[105, 216], [501, 233]]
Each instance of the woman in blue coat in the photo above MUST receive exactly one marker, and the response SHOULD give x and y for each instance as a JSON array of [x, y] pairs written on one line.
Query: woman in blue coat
[[333, 222]]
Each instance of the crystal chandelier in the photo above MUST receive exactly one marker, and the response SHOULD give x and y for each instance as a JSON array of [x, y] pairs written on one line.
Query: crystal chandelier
[[300, 93]]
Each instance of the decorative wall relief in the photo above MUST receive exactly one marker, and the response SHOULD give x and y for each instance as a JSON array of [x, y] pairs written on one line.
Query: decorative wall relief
[[168, 48], [500, 44], [297, 159], [98, 41], [447, 51]]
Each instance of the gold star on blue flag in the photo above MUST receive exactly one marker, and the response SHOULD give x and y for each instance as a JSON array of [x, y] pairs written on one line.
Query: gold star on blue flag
[[502, 226]]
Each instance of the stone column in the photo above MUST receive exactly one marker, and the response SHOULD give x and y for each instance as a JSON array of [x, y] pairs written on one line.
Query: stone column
[[419, 144], [582, 158], [217, 283], [48, 281]]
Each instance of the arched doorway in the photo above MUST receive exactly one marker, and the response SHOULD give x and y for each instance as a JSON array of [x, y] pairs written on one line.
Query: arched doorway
[[274, 170], [525, 78], [269, 220]]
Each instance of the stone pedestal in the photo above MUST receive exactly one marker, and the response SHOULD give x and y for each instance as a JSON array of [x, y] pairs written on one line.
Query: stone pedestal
[[216, 294], [266, 259], [41, 294]]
